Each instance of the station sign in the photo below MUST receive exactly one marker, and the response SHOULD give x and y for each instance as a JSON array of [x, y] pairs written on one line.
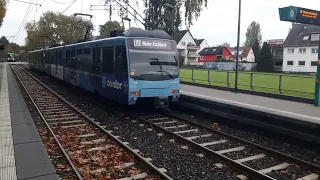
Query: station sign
[[299, 15]]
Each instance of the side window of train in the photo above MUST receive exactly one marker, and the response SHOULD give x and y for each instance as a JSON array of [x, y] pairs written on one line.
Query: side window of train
[[60, 58], [108, 56], [73, 59], [68, 58], [86, 61], [121, 66], [96, 60]]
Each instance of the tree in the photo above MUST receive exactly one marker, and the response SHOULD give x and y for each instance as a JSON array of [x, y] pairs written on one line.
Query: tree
[[159, 16], [4, 41], [225, 44], [292, 24], [256, 50], [265, 63], [54, 29], [108, 27], [3, 9], [253, 33]]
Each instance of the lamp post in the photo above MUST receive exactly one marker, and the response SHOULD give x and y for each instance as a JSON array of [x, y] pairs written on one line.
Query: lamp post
[[238, 41], [172, 15], [127, 19]]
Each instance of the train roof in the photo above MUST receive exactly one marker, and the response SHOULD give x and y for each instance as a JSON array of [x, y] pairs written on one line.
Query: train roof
[[130, 33]]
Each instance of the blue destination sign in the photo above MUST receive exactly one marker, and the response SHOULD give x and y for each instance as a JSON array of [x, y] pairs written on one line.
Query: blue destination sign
[[149, 44]]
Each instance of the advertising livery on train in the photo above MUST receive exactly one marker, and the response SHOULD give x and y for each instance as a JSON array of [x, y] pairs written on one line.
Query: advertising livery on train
[[138, 65]]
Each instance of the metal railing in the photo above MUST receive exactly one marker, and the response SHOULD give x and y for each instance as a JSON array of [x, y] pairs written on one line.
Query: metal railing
[[283, 84]]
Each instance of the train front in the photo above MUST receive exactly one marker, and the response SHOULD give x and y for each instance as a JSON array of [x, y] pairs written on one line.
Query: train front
[[154, 71]]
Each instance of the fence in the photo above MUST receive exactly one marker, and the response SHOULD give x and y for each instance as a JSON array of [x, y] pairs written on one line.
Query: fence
[[293, 85]]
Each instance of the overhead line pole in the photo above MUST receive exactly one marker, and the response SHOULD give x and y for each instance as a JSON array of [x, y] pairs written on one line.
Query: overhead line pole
[[238, 42]]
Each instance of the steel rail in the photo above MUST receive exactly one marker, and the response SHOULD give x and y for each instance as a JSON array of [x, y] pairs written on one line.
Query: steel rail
[[231, 163], [269, 151], [138, 157], [51, 131]]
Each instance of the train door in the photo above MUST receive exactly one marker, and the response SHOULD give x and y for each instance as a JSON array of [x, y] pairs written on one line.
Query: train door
[[95, 77], [108, 80], [74, 73]]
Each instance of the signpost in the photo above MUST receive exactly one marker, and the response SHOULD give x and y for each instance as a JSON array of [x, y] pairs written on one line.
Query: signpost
[[304, 16]]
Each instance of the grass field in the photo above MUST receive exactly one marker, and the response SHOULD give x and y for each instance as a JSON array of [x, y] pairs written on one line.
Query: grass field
[[294, 85]]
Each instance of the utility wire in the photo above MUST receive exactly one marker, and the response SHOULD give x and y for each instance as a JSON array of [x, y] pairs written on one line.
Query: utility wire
[[24, 19], [61, 2], [69, 6]]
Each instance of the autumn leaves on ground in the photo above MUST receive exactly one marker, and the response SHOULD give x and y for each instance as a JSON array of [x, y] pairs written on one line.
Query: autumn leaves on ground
[[92, 152]]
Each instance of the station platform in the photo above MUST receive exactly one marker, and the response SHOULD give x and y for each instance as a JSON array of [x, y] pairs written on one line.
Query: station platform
[[22, 153], [282, 108]]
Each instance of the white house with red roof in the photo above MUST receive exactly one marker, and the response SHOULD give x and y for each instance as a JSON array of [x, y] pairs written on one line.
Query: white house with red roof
[[245, 54]]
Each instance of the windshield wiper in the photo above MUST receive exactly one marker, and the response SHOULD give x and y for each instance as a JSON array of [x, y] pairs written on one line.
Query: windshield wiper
[[156, 59], [166, 73]]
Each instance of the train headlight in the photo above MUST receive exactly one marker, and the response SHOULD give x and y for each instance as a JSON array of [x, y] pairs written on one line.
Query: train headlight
[[134, 93], [175, 92]]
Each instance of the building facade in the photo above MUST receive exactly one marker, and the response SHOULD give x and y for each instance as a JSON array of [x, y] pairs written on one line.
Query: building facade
[[300, 49], [186, 46], [276, 46], [211, 54], [245, 54]]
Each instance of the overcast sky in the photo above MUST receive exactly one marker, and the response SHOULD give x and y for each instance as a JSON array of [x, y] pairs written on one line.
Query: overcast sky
[[217, 23]]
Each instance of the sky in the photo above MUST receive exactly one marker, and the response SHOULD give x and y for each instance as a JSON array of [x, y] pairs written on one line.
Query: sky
[[218, 22]]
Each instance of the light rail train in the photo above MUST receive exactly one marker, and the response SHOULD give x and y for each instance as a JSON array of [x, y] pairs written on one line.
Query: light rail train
[[131, 66]]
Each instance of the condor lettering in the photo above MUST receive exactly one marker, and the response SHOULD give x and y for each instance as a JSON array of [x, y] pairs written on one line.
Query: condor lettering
[[114, 84]]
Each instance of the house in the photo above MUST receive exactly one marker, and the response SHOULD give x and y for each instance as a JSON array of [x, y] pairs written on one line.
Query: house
[[300, 49], [245, 54], [276, 46], [213, 53], [186, 46], [202, 43]]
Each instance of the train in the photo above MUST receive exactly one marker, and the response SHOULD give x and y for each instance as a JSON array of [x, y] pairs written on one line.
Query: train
[[11, 57], [128, 67]]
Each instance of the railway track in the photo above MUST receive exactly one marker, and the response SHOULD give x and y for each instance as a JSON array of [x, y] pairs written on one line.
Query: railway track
[[92, 151], [251, 159]]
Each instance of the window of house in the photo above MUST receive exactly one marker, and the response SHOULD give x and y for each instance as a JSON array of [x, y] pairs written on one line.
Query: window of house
[[314, 50], [302, 50], [201, 58], [183, 43], [108, 57], [313, 63], [290, 63], [290, 51], [305, 37], [302, 63], [227, 57], [121, 65]]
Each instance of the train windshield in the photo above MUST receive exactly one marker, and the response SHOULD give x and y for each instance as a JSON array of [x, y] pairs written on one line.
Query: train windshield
[[153, 63]]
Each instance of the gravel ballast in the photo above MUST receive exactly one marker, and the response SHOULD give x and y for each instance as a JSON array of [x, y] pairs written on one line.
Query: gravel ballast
[[180, 163]]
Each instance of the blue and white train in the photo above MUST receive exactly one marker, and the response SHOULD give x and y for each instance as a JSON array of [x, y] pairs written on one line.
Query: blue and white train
[[135, 66]]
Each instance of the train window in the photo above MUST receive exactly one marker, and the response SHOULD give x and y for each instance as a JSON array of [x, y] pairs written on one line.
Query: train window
[[94, 61], [121, 66], [97, 64], [68, 58], [60, 58], [108, 56], [73, 59], [86, 60]]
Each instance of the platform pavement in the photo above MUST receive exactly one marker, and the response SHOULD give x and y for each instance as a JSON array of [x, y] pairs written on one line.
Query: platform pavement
[[23, 155], [295, 110]]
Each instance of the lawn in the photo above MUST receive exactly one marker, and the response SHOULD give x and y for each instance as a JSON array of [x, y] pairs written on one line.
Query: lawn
[[294, 85]]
